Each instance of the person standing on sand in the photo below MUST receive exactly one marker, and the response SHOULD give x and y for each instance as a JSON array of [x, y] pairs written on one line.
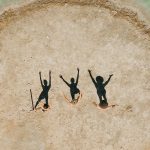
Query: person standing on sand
[[73, 85], [44, 93], [100, 86]]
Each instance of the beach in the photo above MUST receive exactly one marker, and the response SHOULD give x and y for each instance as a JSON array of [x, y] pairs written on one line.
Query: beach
[[106, 37]]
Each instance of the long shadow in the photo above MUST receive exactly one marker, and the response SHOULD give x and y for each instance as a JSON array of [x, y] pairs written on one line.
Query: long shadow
[[73, 85], [100, 86], [44, 94]]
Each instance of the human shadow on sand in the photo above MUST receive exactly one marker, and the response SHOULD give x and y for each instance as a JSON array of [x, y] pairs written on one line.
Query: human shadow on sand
[[44, 94], [100, 87], [73, 86]]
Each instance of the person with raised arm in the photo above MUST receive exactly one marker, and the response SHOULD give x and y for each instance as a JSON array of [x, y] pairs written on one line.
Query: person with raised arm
[[73, 85], [100, 86], [44, 94]]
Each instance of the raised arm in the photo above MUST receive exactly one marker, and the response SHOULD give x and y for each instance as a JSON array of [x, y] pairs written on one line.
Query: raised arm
[[49, 78], [64, 80], [41, 79], [92, 78], [108, 80], [77, 76]]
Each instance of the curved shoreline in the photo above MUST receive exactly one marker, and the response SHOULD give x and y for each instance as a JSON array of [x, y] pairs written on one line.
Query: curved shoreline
[[12, 14]]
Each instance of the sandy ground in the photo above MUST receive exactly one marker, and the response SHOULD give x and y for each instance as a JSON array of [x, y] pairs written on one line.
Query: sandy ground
[[61, 38]]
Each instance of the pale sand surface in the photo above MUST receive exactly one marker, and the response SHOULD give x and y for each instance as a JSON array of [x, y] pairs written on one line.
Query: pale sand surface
[[61, 38]]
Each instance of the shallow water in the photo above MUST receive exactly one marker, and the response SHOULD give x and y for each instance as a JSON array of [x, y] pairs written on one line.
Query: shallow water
[[12, 3], [5, 2], [146, 3]]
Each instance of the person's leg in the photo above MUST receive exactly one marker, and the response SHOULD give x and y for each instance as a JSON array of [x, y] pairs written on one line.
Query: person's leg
[[105, 99], [78, 91], [73, 96], [46, 98], [100, 98], [39, 99]]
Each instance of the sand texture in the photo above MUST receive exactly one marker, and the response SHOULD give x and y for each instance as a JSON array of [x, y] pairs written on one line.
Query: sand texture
[[61, 36]]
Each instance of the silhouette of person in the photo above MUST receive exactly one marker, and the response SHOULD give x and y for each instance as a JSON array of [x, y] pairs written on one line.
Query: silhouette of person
[[44, 93], [100, 86], [73, 86]]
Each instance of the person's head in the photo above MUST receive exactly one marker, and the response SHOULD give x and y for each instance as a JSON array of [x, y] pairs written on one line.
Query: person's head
[[72, 80], [99, 79], [45, 82]]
